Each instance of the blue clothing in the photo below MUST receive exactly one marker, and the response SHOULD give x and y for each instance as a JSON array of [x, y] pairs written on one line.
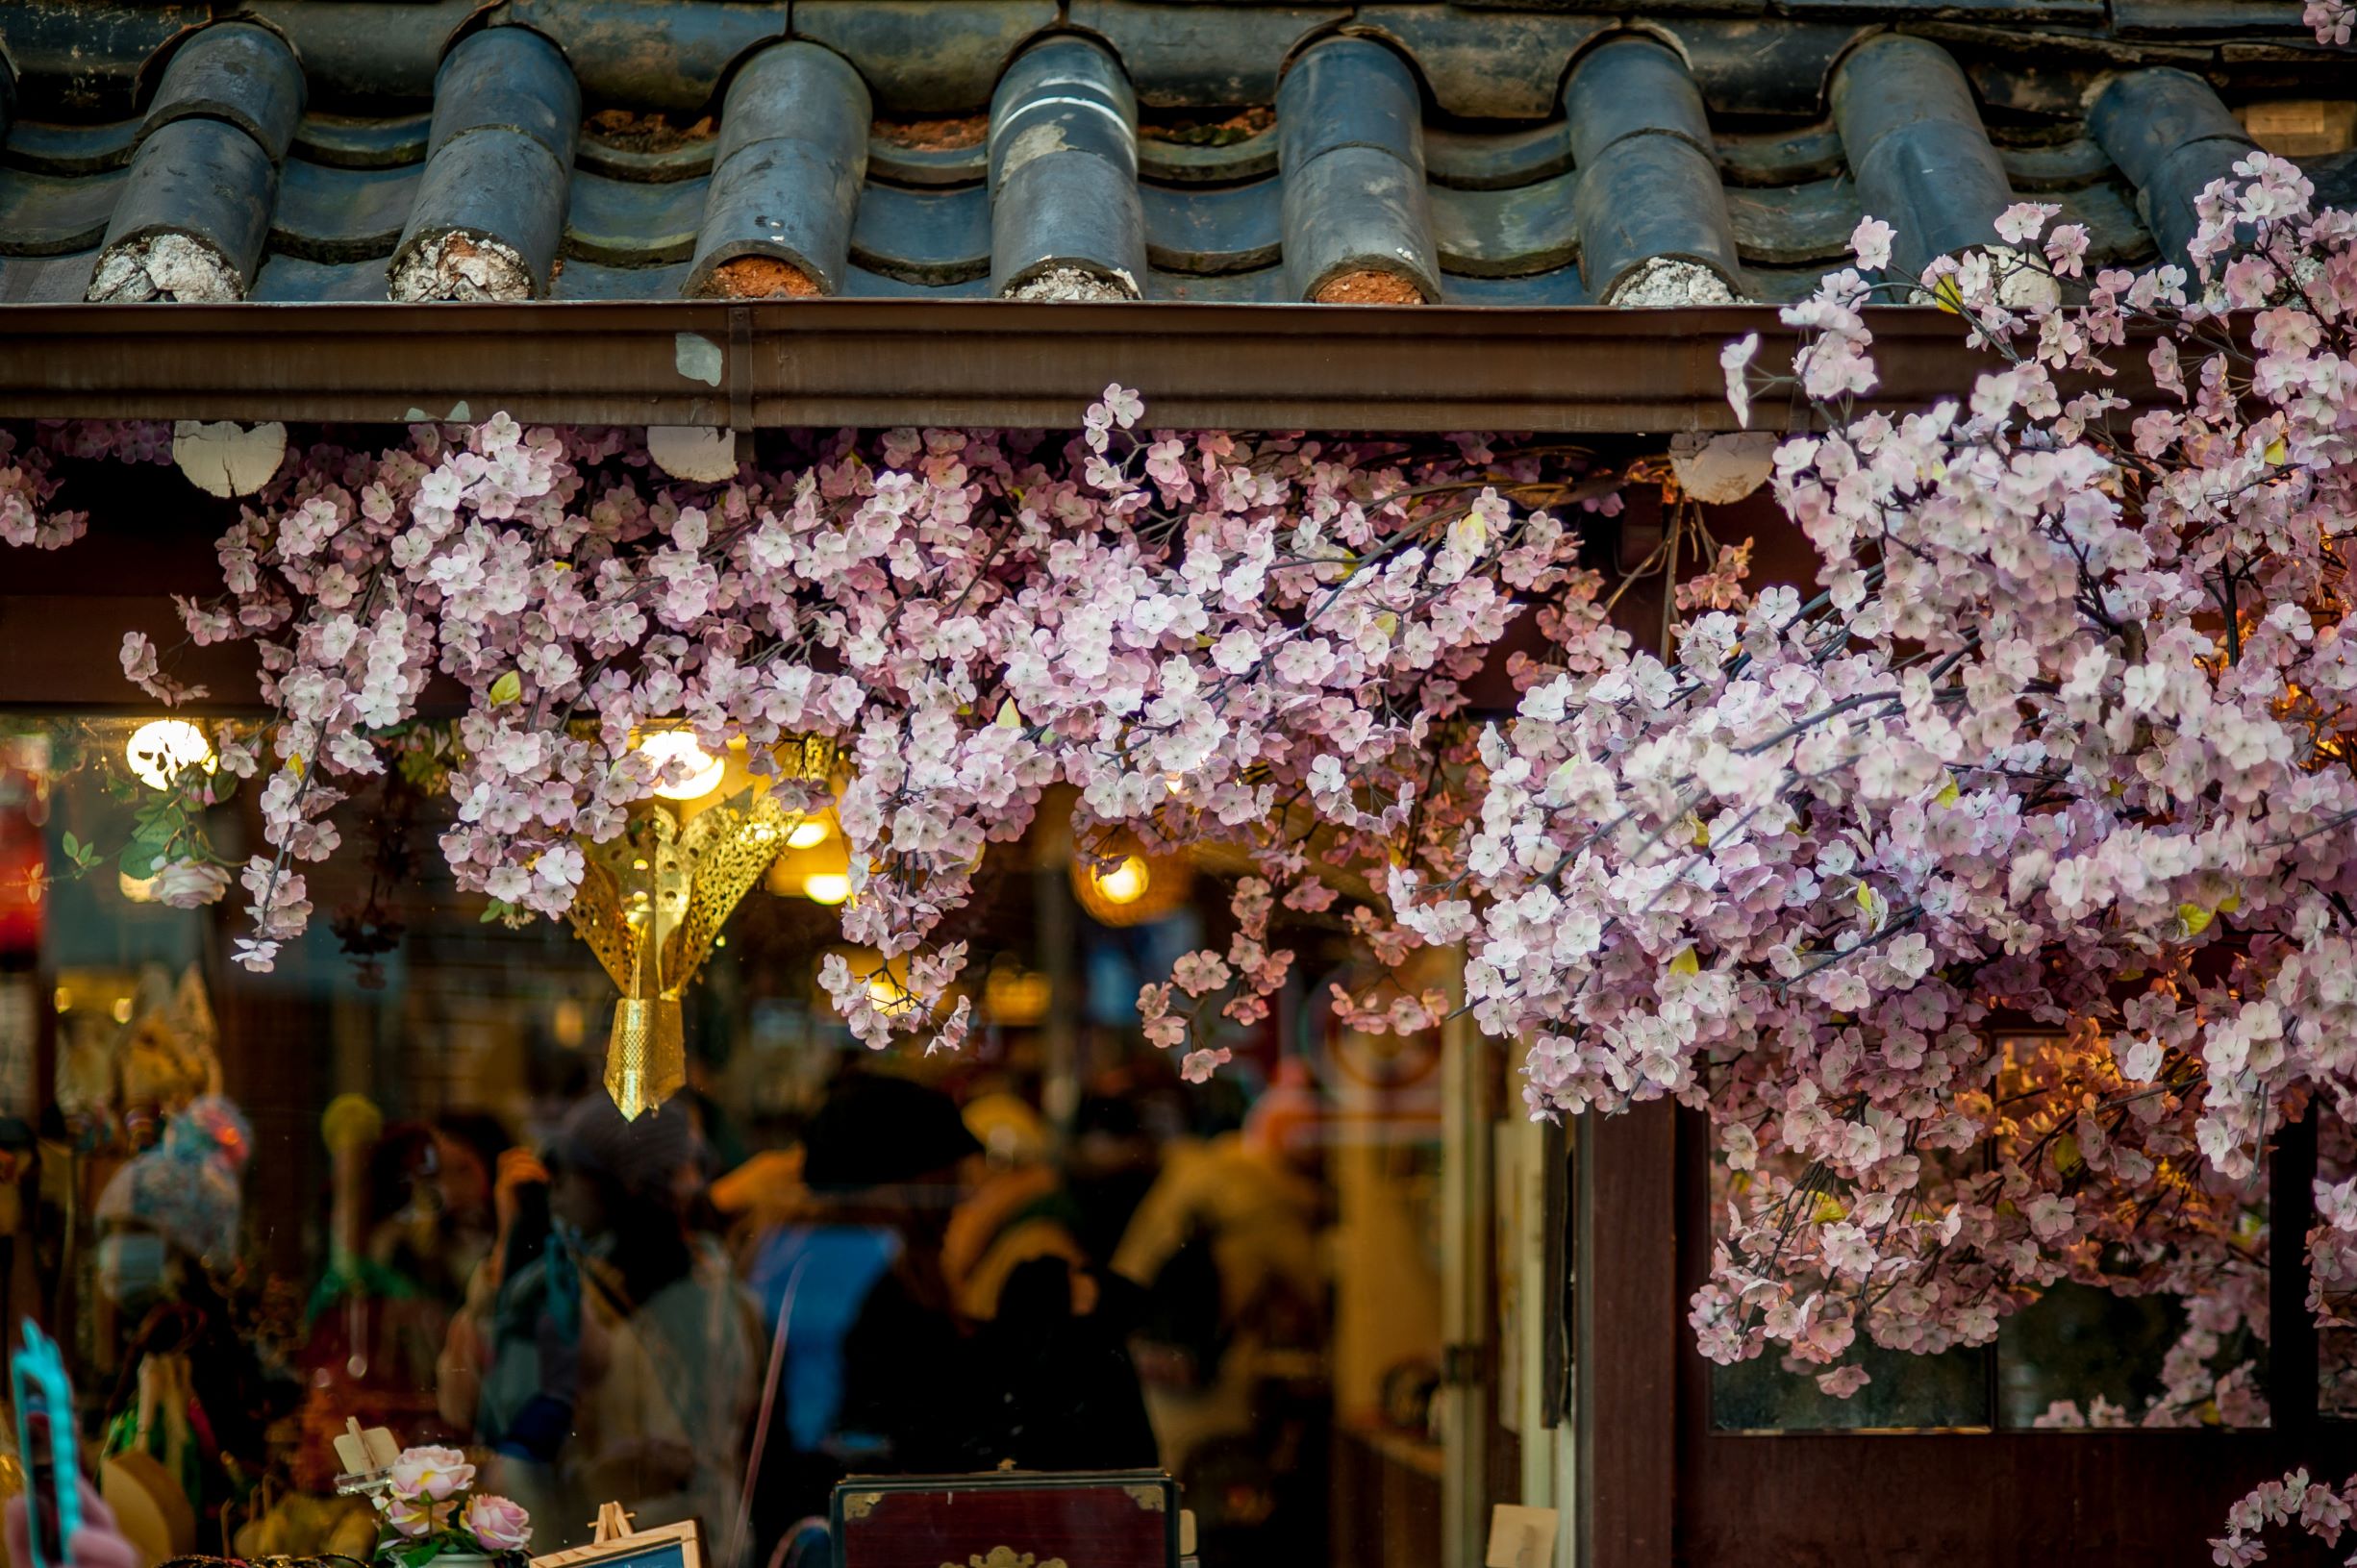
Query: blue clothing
[[839, 1265]]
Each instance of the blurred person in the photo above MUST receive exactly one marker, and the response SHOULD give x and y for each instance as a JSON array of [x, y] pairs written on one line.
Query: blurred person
[[449, 1223], [1051, 1341], [622, 1360], [1017, 1209], [1110, 1165], [521, 1230], [411, 1224], [1226, 1246], [869, 1369], [191, 1392]]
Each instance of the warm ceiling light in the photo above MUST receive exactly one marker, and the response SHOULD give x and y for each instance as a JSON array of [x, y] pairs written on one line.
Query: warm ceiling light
[[703, 769], [808, 833], [1124, 883], [826, 888], [158, 749]]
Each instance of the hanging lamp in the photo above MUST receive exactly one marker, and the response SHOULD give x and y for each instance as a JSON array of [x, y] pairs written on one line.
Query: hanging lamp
[[654, 897]]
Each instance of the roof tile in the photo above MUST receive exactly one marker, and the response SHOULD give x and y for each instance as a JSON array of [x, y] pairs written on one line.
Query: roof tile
[[491, 207], [237, 72], [1420, 143], [791, 155], [1066, 222]]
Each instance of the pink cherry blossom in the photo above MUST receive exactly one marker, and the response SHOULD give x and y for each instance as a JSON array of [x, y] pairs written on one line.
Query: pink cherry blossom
[[1983, 894], [1870, 244]]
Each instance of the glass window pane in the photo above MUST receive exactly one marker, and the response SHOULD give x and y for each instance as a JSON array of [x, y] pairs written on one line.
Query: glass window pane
[[2079, 1355], [385, 1181], [1773, 1392], [1948, 1391]]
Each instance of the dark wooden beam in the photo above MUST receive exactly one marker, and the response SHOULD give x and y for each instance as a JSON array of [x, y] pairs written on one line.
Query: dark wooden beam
[[1629, 1336], [835, 361]]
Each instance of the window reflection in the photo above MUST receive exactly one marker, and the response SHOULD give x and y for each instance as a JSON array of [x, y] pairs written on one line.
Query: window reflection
[[383, 1182], [2109, 1348]]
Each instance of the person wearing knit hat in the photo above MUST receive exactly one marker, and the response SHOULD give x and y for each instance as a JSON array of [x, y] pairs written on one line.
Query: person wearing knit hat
[[870, 1366], [651, 1160], [875, 1130]]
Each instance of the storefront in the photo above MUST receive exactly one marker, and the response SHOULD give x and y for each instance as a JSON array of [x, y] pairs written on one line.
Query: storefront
[[463, 1171]]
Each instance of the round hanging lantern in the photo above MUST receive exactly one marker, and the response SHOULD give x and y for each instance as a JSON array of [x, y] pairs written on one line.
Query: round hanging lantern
[[1124, 884]]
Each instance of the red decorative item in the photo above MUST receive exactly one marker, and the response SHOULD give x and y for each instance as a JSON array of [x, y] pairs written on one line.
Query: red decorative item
[[1008, 1519], [24, 866]]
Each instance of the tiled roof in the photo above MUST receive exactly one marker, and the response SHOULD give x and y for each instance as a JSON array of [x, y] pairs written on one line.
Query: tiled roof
[[1540, 154]]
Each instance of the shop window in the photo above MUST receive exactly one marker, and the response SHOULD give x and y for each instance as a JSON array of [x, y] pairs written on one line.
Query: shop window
[[2120, 1349], [385, 1180]]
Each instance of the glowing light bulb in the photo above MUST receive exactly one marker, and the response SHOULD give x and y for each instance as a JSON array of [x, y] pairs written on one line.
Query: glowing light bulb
[[826, 888], [808, 833], [888, 997], [1124, 883], [158, 749], [704, 770]]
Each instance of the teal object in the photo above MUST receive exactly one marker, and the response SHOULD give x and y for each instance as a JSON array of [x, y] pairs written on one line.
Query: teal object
[[45, 1440]]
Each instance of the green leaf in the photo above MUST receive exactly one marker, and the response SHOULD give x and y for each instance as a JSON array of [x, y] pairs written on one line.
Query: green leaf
[[498, 909], [149, 843], [508, 688], [72, 845]]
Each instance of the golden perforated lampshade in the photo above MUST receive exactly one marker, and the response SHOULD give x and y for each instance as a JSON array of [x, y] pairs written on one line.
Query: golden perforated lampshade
[[652, 902]]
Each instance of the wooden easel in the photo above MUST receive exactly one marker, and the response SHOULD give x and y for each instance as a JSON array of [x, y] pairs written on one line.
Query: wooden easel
[[613, 1539]]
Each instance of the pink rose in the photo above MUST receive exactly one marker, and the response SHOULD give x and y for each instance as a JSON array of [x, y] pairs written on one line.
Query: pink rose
[[431, 1472], [497, 1523], [414, 1517]]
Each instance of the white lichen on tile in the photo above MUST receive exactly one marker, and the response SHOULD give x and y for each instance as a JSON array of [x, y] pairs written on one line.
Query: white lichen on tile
[[1069, 284], [165, 266], [1667, 281], [457, 266]]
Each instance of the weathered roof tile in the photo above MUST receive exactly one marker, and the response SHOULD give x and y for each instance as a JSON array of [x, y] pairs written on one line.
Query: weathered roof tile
[[1351, 130], [1419, 149], [1649, 194], [1065, 216], [490, 207], [236, 72], [1923, 159], [328, 215]]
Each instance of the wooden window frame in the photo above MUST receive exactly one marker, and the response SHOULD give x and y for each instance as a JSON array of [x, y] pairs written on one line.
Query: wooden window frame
[[1658, 1485]]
